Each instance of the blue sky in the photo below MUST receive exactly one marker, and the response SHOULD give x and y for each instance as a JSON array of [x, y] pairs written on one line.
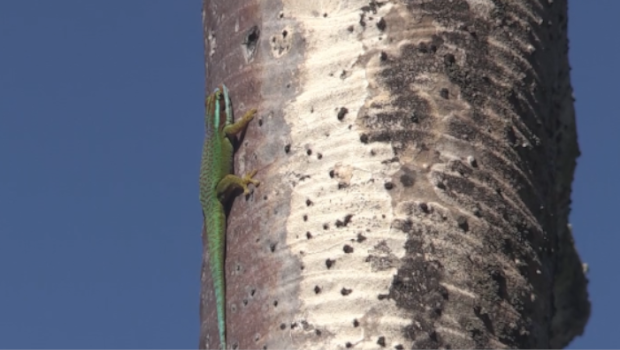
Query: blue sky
[[101, 131]]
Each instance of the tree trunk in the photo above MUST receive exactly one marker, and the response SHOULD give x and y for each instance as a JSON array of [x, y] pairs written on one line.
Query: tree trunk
[[416, 160]]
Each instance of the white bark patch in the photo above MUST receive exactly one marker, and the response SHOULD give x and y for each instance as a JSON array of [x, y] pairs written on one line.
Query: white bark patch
[[281, 43], [481, 8], [212, 43], [325, 141]]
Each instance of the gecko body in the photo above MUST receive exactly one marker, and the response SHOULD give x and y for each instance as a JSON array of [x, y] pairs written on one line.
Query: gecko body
[[218, 185]]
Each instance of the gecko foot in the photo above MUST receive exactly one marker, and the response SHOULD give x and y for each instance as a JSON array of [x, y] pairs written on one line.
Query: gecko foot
[[247, 179]]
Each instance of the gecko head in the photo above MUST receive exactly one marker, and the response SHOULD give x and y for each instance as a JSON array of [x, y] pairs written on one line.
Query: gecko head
[[213, 107]]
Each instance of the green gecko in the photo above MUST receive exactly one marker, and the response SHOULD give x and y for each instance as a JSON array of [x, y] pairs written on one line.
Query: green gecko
[[218, 185]]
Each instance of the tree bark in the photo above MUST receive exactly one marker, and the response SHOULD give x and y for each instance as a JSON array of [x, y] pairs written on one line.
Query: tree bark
[[416, 160]]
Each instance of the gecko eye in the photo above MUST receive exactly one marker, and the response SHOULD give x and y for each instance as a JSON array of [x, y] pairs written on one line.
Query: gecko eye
[[218, 94]]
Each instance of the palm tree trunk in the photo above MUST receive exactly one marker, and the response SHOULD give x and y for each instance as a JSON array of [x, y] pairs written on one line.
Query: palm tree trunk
[[416, 160]]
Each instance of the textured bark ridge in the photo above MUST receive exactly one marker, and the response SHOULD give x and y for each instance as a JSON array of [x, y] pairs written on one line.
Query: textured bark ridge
[[416, 161], [481, 122]]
